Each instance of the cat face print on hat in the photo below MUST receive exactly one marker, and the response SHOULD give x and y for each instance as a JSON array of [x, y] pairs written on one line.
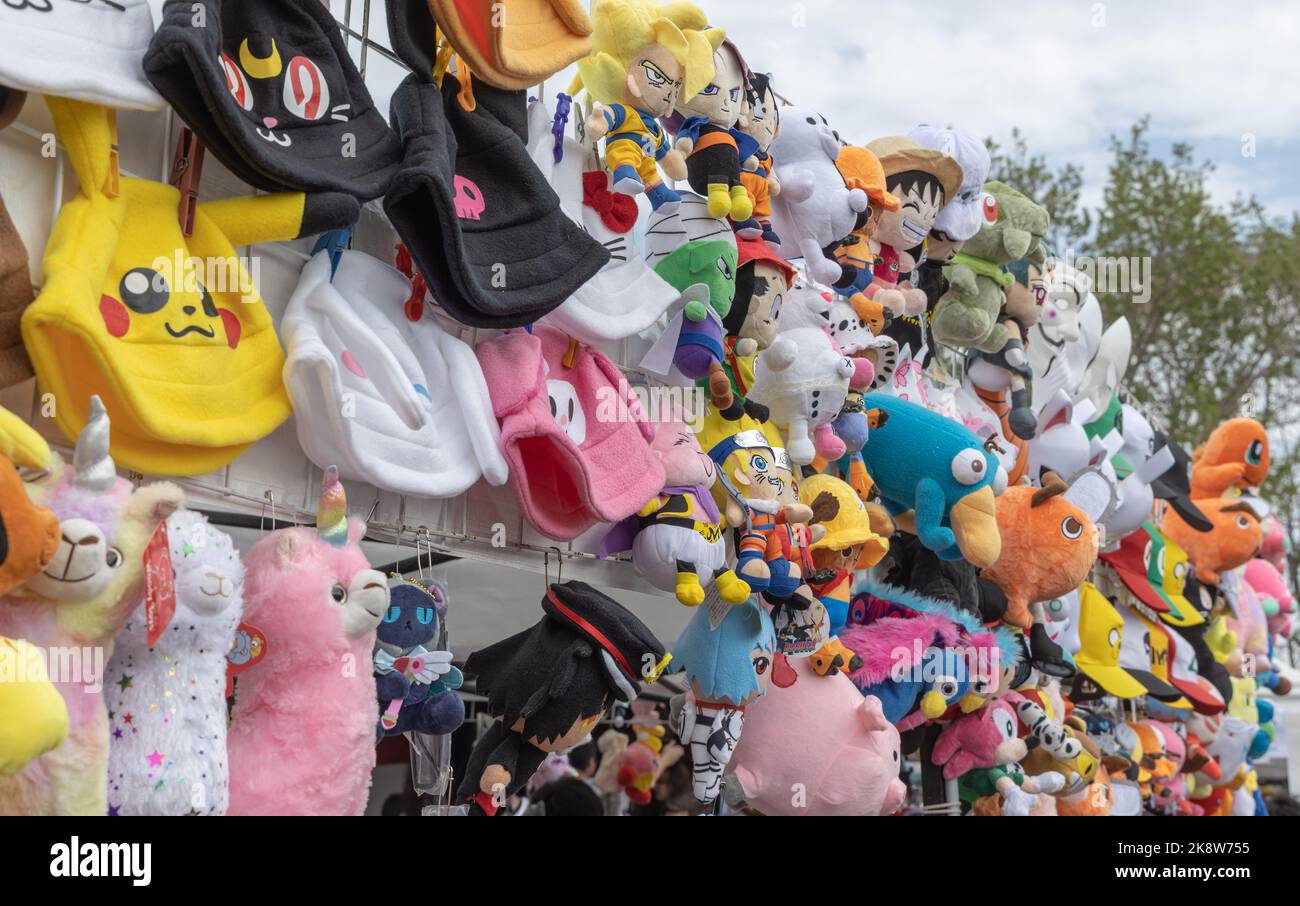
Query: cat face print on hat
[[88, 50], [625, 296], [271, 90]]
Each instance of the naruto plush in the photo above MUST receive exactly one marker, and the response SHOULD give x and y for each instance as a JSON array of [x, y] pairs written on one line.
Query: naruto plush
[[967, 315], [548, 686], [705, 137], [645, 57]]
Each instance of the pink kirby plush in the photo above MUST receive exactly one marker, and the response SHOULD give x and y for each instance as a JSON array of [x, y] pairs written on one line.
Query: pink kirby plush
[[846, 762]]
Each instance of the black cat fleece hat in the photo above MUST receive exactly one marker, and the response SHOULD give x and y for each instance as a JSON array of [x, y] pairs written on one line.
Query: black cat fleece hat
[[270, 89]]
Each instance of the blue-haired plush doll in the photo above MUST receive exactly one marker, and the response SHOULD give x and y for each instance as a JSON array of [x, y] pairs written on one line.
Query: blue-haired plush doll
[[415, 681], [728, 667]]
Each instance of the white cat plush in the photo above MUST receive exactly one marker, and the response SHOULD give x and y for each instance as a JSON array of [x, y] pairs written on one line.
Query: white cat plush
[[815, 208], [167, 703]]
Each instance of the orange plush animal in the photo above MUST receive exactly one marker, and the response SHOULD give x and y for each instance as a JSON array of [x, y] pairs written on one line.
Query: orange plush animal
[[1049, 543], [1235, 456], [1232, 542]]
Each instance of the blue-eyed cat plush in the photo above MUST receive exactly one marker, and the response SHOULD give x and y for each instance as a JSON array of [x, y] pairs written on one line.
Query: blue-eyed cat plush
[[415, 681]]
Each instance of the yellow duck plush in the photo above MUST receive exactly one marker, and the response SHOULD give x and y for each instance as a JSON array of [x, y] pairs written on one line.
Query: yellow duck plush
[[168, 330], [33, 717]]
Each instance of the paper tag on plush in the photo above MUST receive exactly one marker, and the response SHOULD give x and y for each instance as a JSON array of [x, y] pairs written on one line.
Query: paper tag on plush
[[159, 584], [716, 607], [246, 649]]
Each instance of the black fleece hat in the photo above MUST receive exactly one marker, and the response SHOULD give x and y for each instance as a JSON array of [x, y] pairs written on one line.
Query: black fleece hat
[[478, 217], [1175, 485], [270, 89]]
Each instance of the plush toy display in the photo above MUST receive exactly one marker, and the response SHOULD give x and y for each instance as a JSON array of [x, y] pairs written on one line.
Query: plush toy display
[[548, 685], [943, 491], [727, 660], [847, 759], [80, 601], [835, 393], [968, 314], [302, 733], [676, 538], [414, 678], [645, 58], [815, 209], [148, 715]]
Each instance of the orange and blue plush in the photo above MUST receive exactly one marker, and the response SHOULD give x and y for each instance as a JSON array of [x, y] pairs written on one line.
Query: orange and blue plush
[[1235, 456], [936, 478]]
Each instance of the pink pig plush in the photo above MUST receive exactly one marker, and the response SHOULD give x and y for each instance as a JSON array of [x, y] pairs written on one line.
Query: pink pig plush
[[846, 761], [302, 737]]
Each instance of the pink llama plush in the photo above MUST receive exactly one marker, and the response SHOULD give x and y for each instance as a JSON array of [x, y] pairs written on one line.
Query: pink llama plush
[[847, 756], [74, 609], [302, 737]]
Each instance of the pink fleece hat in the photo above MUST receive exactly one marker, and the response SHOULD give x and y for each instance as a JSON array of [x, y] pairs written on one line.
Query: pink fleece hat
[[576, 438]]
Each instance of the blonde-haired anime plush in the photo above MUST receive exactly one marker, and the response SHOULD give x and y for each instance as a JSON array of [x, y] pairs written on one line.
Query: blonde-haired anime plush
[[646, 56]]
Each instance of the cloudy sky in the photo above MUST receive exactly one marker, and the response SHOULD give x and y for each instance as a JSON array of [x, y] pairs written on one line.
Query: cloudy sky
[[1068, 73]]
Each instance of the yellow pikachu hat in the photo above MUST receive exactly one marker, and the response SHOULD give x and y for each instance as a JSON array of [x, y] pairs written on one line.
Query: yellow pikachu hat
[[185, 357]]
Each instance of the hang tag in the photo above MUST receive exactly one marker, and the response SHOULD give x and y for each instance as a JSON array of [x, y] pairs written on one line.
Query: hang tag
[[159, 584], [716, 608], [247, 648]]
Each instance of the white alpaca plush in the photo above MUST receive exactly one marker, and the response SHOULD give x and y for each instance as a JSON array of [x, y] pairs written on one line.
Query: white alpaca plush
[[167, 704], [815, 208]]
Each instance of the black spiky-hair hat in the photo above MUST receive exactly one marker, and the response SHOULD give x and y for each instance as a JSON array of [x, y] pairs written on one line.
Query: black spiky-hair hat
[[1175, 485], [586, 648]]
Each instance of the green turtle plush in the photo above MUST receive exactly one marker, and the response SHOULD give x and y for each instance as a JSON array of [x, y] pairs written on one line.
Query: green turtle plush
[[1014, 228]]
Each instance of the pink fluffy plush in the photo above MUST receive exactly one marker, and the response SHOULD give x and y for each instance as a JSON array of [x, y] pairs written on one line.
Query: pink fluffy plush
[[894, 643], [302, 740]]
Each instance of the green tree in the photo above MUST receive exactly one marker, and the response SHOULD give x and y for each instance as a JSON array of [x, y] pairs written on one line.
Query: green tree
[[1056, 190]]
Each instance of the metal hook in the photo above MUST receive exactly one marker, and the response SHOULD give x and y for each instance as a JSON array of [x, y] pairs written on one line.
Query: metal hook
[[267, 495], [559, 565]]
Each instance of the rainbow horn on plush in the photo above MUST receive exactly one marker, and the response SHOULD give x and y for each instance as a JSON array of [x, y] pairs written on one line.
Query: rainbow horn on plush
[[332, 511]]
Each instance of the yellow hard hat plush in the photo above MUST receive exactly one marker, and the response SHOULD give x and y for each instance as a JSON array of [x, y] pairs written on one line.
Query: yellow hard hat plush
[[168, 330]]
